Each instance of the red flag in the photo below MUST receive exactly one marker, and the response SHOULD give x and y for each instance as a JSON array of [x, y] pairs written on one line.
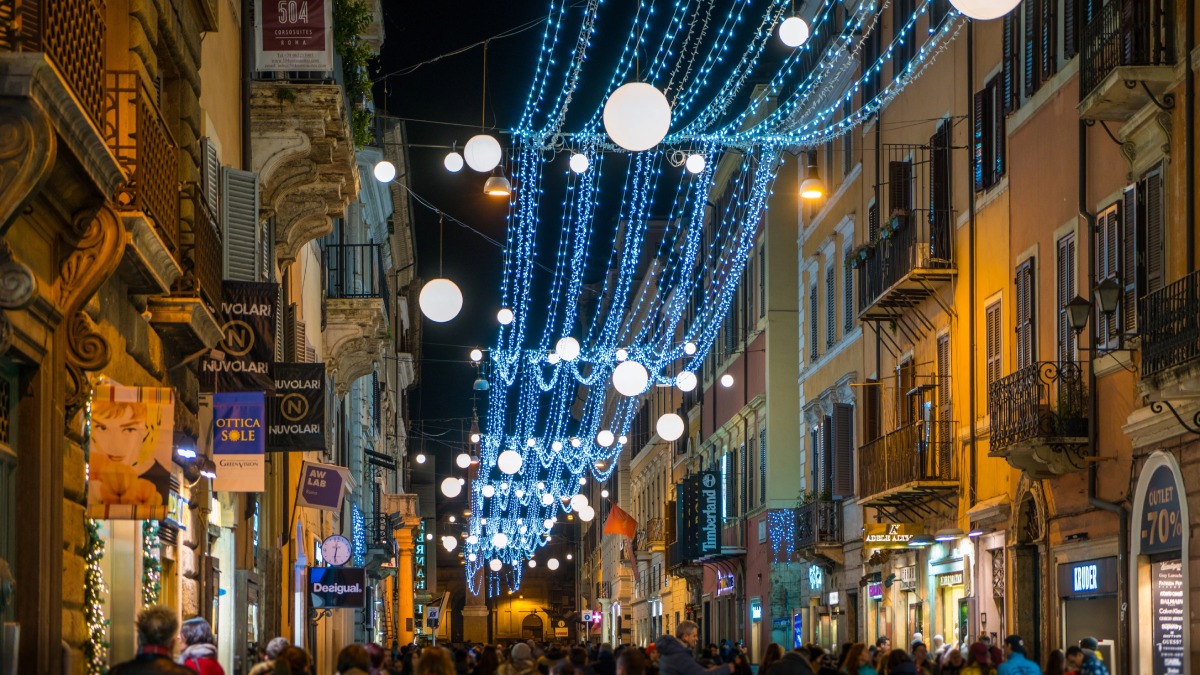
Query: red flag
[[620, 523]]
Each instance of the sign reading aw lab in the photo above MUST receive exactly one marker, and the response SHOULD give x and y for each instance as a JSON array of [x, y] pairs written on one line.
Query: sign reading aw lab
[[239, 441], [322, 486], [889, 535]]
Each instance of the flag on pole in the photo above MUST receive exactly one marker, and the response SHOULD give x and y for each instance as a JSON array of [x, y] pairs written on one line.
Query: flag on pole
[[620, 523]]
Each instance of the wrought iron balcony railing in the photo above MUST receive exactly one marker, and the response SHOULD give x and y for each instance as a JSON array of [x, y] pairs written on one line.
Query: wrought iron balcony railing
[[1047, 399], [138, 136], [71, 33], [355, 271], [1169, 324], [921, 451], [202, 250], [1124, 33], [818, 523]]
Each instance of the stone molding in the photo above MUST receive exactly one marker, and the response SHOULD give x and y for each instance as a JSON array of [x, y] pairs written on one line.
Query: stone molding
[[355, 339], [147, 267]]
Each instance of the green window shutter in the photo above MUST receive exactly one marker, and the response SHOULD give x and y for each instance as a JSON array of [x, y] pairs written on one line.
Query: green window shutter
[[243, 233]]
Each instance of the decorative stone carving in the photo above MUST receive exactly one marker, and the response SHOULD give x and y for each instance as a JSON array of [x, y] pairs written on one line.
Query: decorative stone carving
[[355, 339], [147, 267], [18, 287], [27, 145]]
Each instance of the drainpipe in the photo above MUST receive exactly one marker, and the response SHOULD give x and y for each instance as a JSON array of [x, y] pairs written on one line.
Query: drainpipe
[[1189, 125], [247, 76], [1094, 414], [971, 375]]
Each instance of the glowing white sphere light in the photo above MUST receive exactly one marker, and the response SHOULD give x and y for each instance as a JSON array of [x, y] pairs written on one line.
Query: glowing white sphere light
[[579, 162], [509, 462], [556, 446], [463, 460], [499, 540], [622, 354], [686, 381], [552, 564], [630, 378], [384, 171], [604, 494], [622, 439], [587, 513], [532, 563], [420, 458], [482, 153], [578, 502], [548, 524], [451, 487], [504, 316], [605, 438], [637, 116], [727, 380], [475, 438], [472, 540], [985, 10], [794, 32], [689, 348], [531, 442], [553, 358], [476, 355], [472, 557], [440, 300], [670, 427], [695, 163], [453, 162], [567, 348], [575, 442], [547, 499], [450, 543], [488, 491], [495, 565]]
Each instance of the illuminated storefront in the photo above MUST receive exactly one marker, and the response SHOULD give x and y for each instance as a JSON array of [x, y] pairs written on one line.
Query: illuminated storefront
[[1160, 616]]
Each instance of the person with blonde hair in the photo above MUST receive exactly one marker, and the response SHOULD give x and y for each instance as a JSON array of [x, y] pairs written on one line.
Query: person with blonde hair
[[435, 661]]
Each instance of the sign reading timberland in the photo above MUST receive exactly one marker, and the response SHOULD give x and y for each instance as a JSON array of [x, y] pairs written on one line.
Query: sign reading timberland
[[699, 515], [247, 350], [337, 587], [889, 535], [297, 420], [294, 35]]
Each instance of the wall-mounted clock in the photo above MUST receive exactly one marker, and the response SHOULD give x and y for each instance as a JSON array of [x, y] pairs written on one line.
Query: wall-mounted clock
[[336, 550]]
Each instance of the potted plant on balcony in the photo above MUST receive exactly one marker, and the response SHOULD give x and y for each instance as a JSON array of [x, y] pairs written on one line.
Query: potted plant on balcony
[[894, 224], [1070, 417], [859, 256]]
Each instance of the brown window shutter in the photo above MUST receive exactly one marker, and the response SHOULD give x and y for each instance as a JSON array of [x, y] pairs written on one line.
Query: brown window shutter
[[899, 187], [1155, 231], [1065, 276], [843, 450], [872, 395], [1129, 259]]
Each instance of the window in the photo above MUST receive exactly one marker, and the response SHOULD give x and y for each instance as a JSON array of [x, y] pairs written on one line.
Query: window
[[725, 485], [941, 208], [847, 299], [829, 164], [1026, 312], [1010, 71], [873, 223], [1108, 259], [1065, 283], [905, 382], [903, 44], [993, 343], [870, 67], [1143, 265], [938, 9], [872, 392], [813, 308], [989, 134], [847, 141], [762, 465], [1040, 48], [843, 449], [900, 179], [762, 281], [943, 375], [830, 306]]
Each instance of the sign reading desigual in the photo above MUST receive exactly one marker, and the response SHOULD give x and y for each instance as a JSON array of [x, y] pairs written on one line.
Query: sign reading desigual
[[337, 587]]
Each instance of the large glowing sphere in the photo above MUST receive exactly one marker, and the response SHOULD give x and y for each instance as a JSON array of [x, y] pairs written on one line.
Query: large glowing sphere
[[453, 162], [509, 462], [504, 316], [579, 162], [495, 565], [630, 378], [450, 543], [384, 171], [587, 513], [482, 153], [463, 460], [440, 300], [695, 163], [984, 10], [793, 32], [567, 348], [670, 427], [451, 487], [578, 502], [499, 540], [552, 564], [637, 116], [488, 491], [605, 438]]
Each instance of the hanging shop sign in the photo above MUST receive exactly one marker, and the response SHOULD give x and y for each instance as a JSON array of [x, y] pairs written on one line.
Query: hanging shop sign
[[875, 590], [889, 535], [1168, 622], [700, 516], [1087, 578], [247, 350], [297, 419], [1161, 526], [337, 587], [951, 579], [835, 599], [322, 486], [239, 441], [756, 610], [816, 577], [129, 452], [420, 576], [725, 583], [294, 35]]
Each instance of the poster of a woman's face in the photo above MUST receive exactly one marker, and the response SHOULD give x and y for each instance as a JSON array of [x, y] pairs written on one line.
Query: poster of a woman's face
[[130, 452]]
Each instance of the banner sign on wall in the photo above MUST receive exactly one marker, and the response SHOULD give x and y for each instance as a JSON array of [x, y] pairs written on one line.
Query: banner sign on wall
[[239, 441], [337, 587], [699, 497], [294, 35], [298, 408], [889, 535], [322, 486], [1161, 526], [129, 452], [248, 346]]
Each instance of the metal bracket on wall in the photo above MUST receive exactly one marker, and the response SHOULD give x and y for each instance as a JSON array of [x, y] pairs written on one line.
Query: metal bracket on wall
[[1156, 407]]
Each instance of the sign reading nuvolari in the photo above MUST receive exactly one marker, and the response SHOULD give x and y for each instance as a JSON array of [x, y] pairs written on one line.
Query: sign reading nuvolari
[[337, 587], [248, 346], [297, 420]]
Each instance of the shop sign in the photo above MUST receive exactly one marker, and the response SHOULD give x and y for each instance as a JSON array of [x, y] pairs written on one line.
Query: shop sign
[[756, 610], [816, 577], [797, 630], [238, 441], [1088, 578], [889, 535], [130, 446], [835, 598], [699, 515], [1167, 619], [177, 508], [322, 486], [951, 579], [297, 419], [420, 580], [1162, 526], [875, 590], [725, 583], [337, 587], [247, 348], [779, 624], [294, 35]]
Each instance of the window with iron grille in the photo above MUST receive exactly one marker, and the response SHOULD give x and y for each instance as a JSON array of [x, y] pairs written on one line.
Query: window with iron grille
[[813, 308], [1065, 291], [1026, 314], [830, 306], [993, 342]]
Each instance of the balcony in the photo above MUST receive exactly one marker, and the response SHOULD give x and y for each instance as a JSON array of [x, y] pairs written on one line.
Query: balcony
[[1169, 324], [911, 255], [1039, 418], [357, 313], [903, 471], [819, 524], [1125, 60], [187, 317]]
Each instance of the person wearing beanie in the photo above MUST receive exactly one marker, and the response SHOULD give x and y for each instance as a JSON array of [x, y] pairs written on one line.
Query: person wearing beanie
[[521, 663], [1092, 663], [274, 648], [1015, 662]]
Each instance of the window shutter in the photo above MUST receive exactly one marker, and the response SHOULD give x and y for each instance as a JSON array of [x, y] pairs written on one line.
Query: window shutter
[[873, 223], [826, 455], [1155, 231], [993, 339], [762, 280], [813, 308], [830, 305], [210, 178], [280, 327], [899, 186], [1108, 247], [762, 465], [1048, 58], [943, 372], [872, 407], [267, 246], [997, 130], [843, 451], [290, 347], [848, 299], [1009, 66], [1129, 263], [1026, 313], [240, 217], [1065, 269], [1031, 72], [1070, 28], [980, 142], [847, 141]]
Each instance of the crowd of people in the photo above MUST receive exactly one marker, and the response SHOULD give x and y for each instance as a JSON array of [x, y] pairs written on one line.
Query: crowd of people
[[678, 654]]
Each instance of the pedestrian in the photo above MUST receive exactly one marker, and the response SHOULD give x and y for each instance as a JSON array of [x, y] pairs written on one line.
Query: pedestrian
[[579, 661], [631, 662], [1092, 663], [354, 660], [675, 653], [794, 662], [936, 648], [1056, 663], [156, 627], [436, 661], [375, 653], [770, 656], [489, 661], [996, 655], [822, 662], [293, 661], [883, 644], [952, 662], [606, 663], [274, 648], [1015, 662], [200, 647], [979, 661], [899, 663], [920, 657], [858, 661], [1074, 659], [521, 662]]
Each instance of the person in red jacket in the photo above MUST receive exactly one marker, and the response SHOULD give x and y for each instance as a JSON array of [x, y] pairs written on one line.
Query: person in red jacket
[[200, 647]]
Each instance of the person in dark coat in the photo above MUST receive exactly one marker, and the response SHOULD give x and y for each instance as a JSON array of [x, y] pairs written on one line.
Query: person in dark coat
[[675, 654], [793, 663], [606, 663], [156, 628]]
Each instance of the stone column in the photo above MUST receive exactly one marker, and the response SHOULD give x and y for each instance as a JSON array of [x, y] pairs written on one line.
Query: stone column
[[606, 625], [475, 615], [404, 577]]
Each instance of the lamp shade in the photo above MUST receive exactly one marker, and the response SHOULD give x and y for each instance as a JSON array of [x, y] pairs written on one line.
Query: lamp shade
[[579, 162], [1108, 294], [949, 534], [695, 163], [497, 186], [440, 300], [812, 188], [1078, 311], [453, 162], [985, 10], [630, 378], [793, 32], [509, 462], [637, 116], [670, 427], [451, 487], [384, 171], [482, 153]]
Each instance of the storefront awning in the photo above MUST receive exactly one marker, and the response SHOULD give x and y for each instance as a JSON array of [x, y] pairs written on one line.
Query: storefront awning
[[992, 511]]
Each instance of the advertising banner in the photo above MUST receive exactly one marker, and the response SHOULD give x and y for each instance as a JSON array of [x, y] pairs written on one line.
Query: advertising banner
[[294, 35], [247, 350], [297, 420], [1162, 526], [239, 441], [322, 486], [129, 452], [709, 508], [337, 587]]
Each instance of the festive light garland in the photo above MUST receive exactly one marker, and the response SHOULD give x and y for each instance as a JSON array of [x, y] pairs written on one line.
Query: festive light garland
[[151, 563], [781, 530], [95, 648]]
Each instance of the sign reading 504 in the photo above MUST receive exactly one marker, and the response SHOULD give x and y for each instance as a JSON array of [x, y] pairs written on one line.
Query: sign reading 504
[[293, 11]]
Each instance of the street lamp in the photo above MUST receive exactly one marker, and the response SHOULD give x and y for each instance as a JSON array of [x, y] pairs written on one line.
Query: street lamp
[[1078, 310], [812, 187], [1108, 294]]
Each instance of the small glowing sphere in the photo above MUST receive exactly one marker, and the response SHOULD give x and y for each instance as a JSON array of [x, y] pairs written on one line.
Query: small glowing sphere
[[582, 480], [579, 162], [630, 378], [547, 499], [453, 162], [984, 10], [504, 486], [686, 381], [522, 529], [541, 485], [476, 355], [695, 163], [475, 438], [504, 316], [462, 481], [472, 540], [586, 514], [420, 458], [727, 380], [548, 524], [689, 348], [499, 540], [604, 494], [570, 557], [385, 171], [519, 493], [670, 427], [552, 564], [509, 462], [553, 358], [495, 565], [463, 460], [622, 354], [449, 543], [482, 153], [605, 438], [793, 32], [472, 557], [636, 116], [567, 348], [575, 442], [578, 501], [451, 488], [531, 443], [488, 491], [440, 300], [532, 563], [555, 446], [622, 439], [452, 519]]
